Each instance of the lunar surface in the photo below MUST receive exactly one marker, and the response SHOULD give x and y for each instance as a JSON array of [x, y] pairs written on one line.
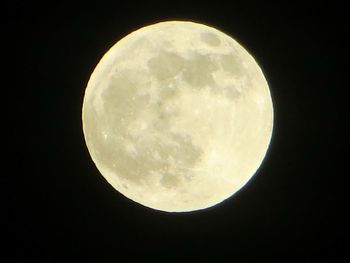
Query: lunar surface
[[177, 116]]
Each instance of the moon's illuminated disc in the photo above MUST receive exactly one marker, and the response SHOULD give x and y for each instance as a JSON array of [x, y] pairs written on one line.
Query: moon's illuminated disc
[[177, 116]]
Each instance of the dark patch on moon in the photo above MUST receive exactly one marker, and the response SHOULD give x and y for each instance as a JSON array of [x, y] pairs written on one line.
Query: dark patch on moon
[[210, 39], [165, 65], [198, 71], [232, 64]]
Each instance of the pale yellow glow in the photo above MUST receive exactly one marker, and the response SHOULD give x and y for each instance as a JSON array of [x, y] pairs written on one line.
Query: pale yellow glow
[[177, 116]]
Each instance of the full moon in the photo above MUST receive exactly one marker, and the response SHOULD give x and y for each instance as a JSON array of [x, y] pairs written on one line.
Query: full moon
[[177, 116]]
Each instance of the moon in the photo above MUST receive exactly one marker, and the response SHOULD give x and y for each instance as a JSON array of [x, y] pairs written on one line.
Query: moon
[[177, 116]]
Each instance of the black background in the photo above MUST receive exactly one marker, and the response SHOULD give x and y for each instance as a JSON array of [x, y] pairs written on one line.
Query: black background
[[62, 210]]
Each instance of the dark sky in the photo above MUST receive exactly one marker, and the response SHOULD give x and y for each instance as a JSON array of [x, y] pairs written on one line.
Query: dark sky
[[62, 210]]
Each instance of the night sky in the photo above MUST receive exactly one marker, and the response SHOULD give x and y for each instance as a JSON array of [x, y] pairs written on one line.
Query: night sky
[[58, 208]]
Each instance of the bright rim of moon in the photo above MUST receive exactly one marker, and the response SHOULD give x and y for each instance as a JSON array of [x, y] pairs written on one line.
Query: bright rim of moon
[[177, 116]]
